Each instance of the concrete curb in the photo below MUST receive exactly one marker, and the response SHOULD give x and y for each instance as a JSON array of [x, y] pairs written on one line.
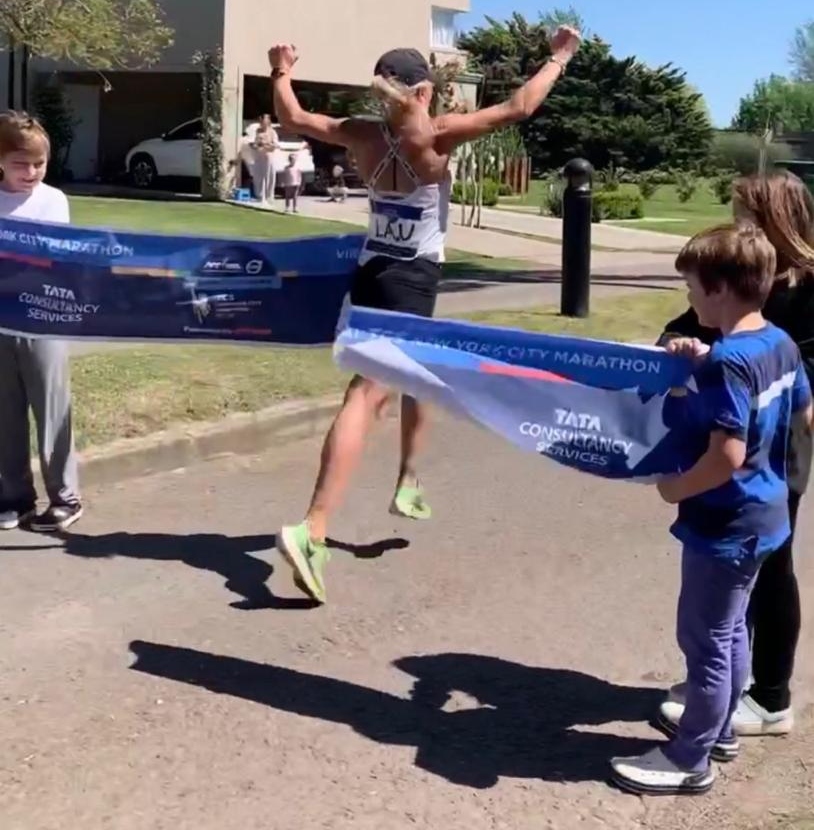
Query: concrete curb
[[243, 433]]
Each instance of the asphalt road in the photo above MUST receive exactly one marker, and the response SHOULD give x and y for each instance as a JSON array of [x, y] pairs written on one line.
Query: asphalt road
[[159, 670]]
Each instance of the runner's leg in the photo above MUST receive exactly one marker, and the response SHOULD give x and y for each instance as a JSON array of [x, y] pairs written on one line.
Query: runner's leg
[[414, 428], [342, 451], [411, 287], [303, 545], [384, 283]]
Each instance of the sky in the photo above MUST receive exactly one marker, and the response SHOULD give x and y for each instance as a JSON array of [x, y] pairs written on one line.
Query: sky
[[724, 46]]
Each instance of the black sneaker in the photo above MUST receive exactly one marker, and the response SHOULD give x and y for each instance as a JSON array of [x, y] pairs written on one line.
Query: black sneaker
[[11, 518], [56, 517]]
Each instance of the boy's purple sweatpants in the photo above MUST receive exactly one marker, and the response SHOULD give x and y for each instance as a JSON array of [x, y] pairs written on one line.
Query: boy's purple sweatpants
[[713, 636]]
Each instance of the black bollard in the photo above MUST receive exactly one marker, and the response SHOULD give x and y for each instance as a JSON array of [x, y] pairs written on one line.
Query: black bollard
[[577, 201]]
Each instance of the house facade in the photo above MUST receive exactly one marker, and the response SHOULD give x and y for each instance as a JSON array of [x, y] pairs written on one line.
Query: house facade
[[338, 42]]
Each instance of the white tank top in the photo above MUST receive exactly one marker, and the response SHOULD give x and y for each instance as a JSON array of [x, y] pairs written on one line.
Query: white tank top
[[405, 225]]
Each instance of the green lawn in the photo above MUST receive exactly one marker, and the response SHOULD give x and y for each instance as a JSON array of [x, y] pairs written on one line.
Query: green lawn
[[688, 218], [202, 219], [635, 318], [663, 212], [197, 219]]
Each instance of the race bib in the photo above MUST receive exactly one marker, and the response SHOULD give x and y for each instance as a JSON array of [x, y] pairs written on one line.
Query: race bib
[[395, 229]]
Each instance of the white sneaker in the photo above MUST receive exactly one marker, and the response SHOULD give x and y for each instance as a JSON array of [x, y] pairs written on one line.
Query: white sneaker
[[751, 719], [655, 774], [678, 692], [12, 519]]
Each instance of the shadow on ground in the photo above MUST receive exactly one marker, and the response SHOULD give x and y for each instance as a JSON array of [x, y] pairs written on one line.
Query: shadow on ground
[[228, 556], [527, 724]]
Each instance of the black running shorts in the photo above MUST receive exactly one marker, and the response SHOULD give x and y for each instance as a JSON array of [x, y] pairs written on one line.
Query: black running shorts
[[408, 286]]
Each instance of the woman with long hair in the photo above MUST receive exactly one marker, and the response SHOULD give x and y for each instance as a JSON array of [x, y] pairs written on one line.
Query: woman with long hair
[[783, 207]]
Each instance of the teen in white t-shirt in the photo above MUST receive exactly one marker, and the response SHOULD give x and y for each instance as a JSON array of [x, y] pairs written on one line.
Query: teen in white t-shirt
[[41, 204], [34, 373]]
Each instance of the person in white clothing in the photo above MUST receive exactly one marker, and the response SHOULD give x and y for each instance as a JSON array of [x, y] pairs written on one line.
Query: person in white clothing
[[265, 141], [292, 182], [338, 190], [400, 262], [34, 373]]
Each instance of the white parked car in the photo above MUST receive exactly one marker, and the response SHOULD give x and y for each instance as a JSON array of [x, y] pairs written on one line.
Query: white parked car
[[178, 153]]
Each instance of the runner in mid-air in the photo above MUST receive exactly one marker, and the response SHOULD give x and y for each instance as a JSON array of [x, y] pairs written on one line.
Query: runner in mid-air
[[404, 161]]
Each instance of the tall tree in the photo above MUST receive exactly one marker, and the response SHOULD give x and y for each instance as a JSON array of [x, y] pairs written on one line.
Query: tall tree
[[564, 17], [802, 52], [606, 109], [778, 104], [99, 34]]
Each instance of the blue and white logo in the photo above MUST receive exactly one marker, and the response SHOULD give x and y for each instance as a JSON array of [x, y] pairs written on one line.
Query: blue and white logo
[[236, 261], [235, 267]]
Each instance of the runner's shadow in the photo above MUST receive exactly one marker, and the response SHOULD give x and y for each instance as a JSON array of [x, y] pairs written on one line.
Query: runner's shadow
[[515, 721], [372, 550], [26, 548], [227, 556]]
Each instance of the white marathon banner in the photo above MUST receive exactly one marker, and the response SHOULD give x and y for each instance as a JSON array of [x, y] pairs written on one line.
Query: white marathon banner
[[609, 409]]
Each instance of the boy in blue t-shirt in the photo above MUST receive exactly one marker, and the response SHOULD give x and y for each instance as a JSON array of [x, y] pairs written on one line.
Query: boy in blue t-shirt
[[732, 504]]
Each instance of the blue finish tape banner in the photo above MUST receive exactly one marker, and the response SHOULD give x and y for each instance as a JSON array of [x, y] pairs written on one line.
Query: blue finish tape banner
[[81, 283], [610, 409]]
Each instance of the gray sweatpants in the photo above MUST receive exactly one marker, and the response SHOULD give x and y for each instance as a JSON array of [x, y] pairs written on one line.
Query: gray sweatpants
[[36, 374]]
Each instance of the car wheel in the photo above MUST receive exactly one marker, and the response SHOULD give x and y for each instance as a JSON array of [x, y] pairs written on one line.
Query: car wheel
[[142, 171]]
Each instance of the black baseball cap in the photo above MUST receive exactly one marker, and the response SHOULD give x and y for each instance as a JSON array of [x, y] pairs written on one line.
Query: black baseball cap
[[406, 65]]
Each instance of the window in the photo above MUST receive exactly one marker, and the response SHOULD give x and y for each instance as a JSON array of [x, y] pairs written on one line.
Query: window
[[190, 131], [442, 30]]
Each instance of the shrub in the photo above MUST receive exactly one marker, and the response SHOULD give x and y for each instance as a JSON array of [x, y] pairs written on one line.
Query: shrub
[[627, 176], [686, 185], [617, 204], [490, 193], [722, 187], [661, 176], [609, 178], [741, 152], [647, 184], [505, 189], [552, 197]]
